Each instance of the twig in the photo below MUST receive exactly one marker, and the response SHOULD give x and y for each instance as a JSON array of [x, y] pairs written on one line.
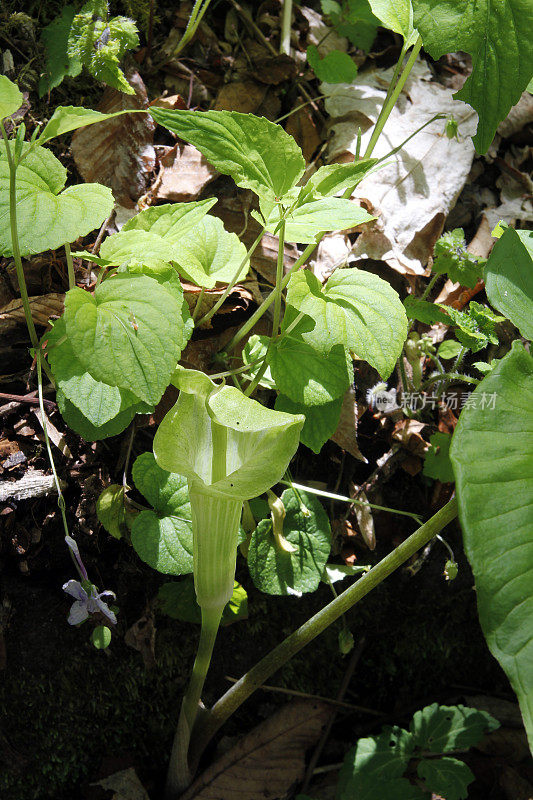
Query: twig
[[354, 660]]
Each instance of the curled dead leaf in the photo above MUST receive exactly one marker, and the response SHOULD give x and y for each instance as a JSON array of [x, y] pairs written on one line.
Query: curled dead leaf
[[42, 308], [183, 174], [118, 152]]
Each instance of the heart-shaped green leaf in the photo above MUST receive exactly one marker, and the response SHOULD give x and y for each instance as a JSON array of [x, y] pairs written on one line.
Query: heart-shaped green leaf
[[127, 334], [92, 433], [152, 236], [209, 254], [492, 456], [509, 278], [307, 375], [274, 570], [397, 15], [163, 537], [355, 309], [46, 217], [178, 600], [320, 421], [444, 729], [10, 97], [315, 216], [257, 153], [98, 402]]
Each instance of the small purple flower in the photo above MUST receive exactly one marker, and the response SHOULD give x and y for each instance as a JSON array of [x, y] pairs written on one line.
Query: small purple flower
[[87, 602]]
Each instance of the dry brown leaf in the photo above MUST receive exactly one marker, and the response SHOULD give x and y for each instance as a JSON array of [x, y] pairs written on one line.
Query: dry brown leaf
[[118, 152], [275, 69], [54, 435], [408, 433], [42, 308], [141, 637], [301, 126], [268, 760], [183, 173], [364, 517], [332, 252], [415, 190], [346, 434], [125, 785], [249, 98]]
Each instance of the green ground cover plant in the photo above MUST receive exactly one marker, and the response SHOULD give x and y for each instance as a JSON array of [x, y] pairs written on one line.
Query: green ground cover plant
[[113, 353]]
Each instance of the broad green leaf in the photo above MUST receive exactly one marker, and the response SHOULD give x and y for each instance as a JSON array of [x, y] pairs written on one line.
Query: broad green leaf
[[424, 311], [379, 762], [448, 777], [46, 218], [92, 433], [224, 441], [209, 254], [397, 15], [58, 62], [10, 97], [449, 349], [509, 279], [70, 118], [178, 600], [320, 421], [110, 510], [492, 457], [444, 729], [308, 376], [453, 259], [257, 153], [162, 537], [306, 527], [152, 236], [437, 464], [98, 402], [356, 309], [497, 34], [354, 19], [333, 178], [127, 334], [335, 67], [315, 216]]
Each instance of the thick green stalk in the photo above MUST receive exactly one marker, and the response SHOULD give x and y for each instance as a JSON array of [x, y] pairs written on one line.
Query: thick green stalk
[[286, 21], [392, 96], [271, 663], [178, 776], [15, 241]]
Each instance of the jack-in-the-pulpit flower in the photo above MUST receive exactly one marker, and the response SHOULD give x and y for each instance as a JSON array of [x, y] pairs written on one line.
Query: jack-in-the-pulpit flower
[[230, 448]]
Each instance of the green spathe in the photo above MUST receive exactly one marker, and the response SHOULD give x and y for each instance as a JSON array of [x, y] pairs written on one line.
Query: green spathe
[[492, 457], [230, 448]]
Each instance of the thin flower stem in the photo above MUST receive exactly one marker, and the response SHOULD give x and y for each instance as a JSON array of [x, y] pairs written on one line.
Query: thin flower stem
[[15, 241], [70, 267], [393, 94], [429, 287], [342, 499], [213, 719], [198, 304], [450, 376], [233, 281]]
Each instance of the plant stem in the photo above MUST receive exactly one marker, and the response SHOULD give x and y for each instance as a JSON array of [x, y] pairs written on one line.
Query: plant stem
[[233, 281], [449, 376], [198, 304], [15, 241], [271, 663], [286, 21], [393, 94], [342, 499], [178, 776], [70, 268], [429, 287]]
